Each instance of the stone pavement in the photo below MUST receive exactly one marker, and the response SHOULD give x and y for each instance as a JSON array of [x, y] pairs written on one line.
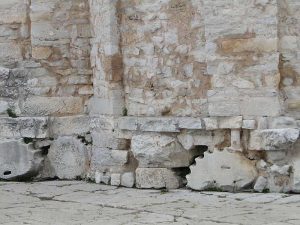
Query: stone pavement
[[77, 202]]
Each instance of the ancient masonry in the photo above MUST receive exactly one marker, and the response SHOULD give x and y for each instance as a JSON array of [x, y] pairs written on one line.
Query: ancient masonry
[[152, 93]]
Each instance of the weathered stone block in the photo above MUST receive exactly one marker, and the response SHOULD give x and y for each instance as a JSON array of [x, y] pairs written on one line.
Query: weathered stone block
[[273, 139], [44, 106], [103, 158], [157, 178], [249, 124], [158, 124], [153, 150], [230, 122], [261, 106], [33, 127], [18, 160], [128, 179], [115, 179], [225, 170], [69, 125], [68, 157], [190, 123]]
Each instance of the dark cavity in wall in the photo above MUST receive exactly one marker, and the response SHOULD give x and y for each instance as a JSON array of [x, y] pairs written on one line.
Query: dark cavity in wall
[[198, 151]]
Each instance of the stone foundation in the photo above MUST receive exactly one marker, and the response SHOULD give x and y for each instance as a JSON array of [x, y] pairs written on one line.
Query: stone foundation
[[152, 94]]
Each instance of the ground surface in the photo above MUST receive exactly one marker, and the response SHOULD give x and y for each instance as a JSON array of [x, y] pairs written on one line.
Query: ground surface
[[76, 202]]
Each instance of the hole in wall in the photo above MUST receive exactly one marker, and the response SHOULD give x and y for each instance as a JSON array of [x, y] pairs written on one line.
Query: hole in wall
[[197, 151], [45, 150], [6, 173]]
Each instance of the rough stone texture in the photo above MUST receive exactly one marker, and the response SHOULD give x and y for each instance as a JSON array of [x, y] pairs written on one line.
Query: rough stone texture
[[223, 170], [160, 151], [273, 139], [18, 160], [260, 184], [68, 158], [153, 83], [157, 178], [77, 202]]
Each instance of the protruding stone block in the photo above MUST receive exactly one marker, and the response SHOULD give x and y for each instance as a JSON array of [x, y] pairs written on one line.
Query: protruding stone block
[[30, 127], [154, 150], [273, 139], [18, 160], [230, 122]]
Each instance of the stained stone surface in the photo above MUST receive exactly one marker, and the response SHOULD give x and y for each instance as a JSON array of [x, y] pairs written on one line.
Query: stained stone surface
[[76, 202]]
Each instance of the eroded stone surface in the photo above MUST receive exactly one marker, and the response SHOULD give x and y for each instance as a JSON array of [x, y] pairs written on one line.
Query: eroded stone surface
[[18, 160], [157, 178], [224, 170], [160, 151], [68, 157]]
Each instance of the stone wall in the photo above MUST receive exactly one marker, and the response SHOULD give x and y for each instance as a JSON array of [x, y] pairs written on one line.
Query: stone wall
[[152, 93]]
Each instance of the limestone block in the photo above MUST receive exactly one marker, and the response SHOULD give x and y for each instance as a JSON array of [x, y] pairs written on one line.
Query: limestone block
[[102, 158], [106, 139], [128, 179], [18, 160], [261, 184], [68, 157], [273, 139], [10, 53], [225, 170], [128, 123], [157, 178], [157, 124], [13, 11], [186, 140], [69, 125], [282, 122], [102, 178], [190, 123], [115, 179], [230, 122], [211, 123], [43, 106], [101, 123], [33, 127], [41, 52], [261, 106], [107, 106], [203, 138], [154, 150], [235, 140], [224, 107], [249, 124]]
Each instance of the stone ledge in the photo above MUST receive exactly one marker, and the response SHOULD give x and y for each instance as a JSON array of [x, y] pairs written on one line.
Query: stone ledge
[[175, 124], [31, 127]]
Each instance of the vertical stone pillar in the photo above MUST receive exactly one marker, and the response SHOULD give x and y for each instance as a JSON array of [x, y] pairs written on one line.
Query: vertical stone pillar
[[109, 153]]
